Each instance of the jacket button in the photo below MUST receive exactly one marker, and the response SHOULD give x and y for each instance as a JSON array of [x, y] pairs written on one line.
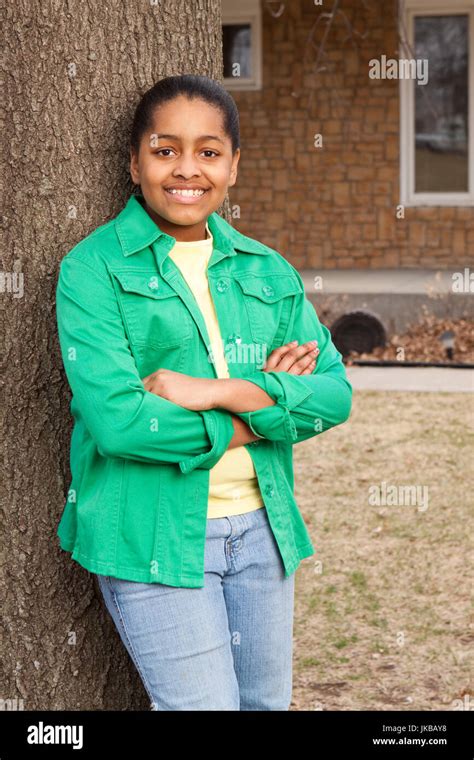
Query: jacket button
[[268, 290], [153, 284], [222, 286], [269, 490], [234, 338]]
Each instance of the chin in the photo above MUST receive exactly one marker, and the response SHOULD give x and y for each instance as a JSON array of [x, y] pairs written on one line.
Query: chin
[[188, 216]]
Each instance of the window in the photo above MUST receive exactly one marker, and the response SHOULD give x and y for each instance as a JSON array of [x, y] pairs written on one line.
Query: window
[[242, 49], [437, 117]]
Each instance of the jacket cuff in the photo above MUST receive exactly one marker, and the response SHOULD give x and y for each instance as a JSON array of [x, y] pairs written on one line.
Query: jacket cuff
[[220, 429], [275, 422]]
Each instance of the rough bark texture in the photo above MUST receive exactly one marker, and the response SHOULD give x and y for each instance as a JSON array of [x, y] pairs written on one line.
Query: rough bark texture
[[74, 73]]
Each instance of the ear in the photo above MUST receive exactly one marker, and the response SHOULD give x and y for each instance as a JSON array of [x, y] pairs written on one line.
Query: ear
[[134, 173], [233, 169]]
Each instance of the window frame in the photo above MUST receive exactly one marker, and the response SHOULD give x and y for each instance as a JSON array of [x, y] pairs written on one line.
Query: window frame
[[409, 10], [247, 12]]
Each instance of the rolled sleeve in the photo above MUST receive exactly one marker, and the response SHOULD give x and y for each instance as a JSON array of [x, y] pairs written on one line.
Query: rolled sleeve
[[220, 429], [276, 422]]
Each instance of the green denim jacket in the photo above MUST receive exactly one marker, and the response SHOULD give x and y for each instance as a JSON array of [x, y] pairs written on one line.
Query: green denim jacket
[[137, 504]]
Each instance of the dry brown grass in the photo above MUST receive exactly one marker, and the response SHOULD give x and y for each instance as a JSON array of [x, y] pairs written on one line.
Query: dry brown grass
[[386, 624]]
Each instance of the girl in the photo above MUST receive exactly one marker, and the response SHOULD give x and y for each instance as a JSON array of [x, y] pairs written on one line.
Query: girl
[[181, 500]]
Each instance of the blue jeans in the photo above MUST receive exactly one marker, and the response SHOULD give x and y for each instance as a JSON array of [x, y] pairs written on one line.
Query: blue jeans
[[226, 646]]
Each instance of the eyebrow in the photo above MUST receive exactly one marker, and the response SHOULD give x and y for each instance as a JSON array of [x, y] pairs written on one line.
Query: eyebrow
[[201, 137]]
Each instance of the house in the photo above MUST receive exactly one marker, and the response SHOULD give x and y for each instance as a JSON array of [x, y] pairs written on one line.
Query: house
[[357, 131]]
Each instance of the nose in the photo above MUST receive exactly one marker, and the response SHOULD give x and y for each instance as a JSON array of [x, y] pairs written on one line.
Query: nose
[[187, 166]]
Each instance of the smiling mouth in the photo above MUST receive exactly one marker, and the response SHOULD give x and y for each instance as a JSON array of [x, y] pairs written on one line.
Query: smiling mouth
[[182, 194]]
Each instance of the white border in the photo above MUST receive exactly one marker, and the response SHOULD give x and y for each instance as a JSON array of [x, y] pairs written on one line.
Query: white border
[[408, 197]]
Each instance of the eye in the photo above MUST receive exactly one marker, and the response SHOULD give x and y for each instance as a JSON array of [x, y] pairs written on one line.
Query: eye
[[160, 150], [170, 150]]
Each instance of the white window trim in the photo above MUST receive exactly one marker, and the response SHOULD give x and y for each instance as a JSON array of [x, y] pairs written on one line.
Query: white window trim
[[246, 12], [408, 196]]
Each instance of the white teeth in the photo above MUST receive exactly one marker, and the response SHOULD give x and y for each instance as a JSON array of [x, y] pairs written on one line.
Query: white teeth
[[186, 193]]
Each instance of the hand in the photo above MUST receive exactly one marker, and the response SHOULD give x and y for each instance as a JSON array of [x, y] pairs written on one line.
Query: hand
[[195, 393], [294, 359]]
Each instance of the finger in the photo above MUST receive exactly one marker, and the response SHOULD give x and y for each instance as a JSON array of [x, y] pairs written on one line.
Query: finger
[[295, 354], [310, 368], [305, 365], [277, 353]]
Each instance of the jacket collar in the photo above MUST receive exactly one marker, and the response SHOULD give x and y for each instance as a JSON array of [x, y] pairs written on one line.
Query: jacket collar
[[137, 230]]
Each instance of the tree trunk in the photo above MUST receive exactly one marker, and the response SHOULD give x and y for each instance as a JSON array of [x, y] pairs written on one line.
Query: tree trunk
[[75, 74]]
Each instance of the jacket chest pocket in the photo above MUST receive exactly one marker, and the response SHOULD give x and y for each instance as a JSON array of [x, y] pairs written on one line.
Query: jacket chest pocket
[[267, 299], [154, 314]]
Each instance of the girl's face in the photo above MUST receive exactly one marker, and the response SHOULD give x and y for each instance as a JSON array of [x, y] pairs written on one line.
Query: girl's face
[[186, 148]]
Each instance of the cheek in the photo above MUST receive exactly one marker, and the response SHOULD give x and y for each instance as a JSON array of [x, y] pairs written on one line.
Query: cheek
[[220, 177], [220, 184], [152, 173]]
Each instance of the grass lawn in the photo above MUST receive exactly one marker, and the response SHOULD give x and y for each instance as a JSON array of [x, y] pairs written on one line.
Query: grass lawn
[[383, 609]]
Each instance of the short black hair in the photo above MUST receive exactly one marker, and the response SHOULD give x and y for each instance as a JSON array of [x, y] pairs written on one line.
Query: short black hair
[[192, 86]]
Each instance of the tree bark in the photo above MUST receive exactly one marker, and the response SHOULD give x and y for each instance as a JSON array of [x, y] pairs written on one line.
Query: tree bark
[[74, 73]]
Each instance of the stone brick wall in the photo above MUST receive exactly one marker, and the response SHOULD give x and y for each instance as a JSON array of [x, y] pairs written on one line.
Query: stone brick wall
[[335, 207]]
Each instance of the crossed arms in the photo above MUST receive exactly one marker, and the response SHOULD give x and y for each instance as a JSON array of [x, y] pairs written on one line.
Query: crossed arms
[[127, 420]]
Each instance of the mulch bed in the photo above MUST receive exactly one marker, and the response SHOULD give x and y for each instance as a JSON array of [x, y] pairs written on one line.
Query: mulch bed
[[421, 342]]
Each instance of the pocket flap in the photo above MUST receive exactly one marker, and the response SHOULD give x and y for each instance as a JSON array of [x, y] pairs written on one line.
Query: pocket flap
[[269, 288], [148, 284]]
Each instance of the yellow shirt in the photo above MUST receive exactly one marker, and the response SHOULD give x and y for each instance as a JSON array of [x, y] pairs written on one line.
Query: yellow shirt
[[233, 485]]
